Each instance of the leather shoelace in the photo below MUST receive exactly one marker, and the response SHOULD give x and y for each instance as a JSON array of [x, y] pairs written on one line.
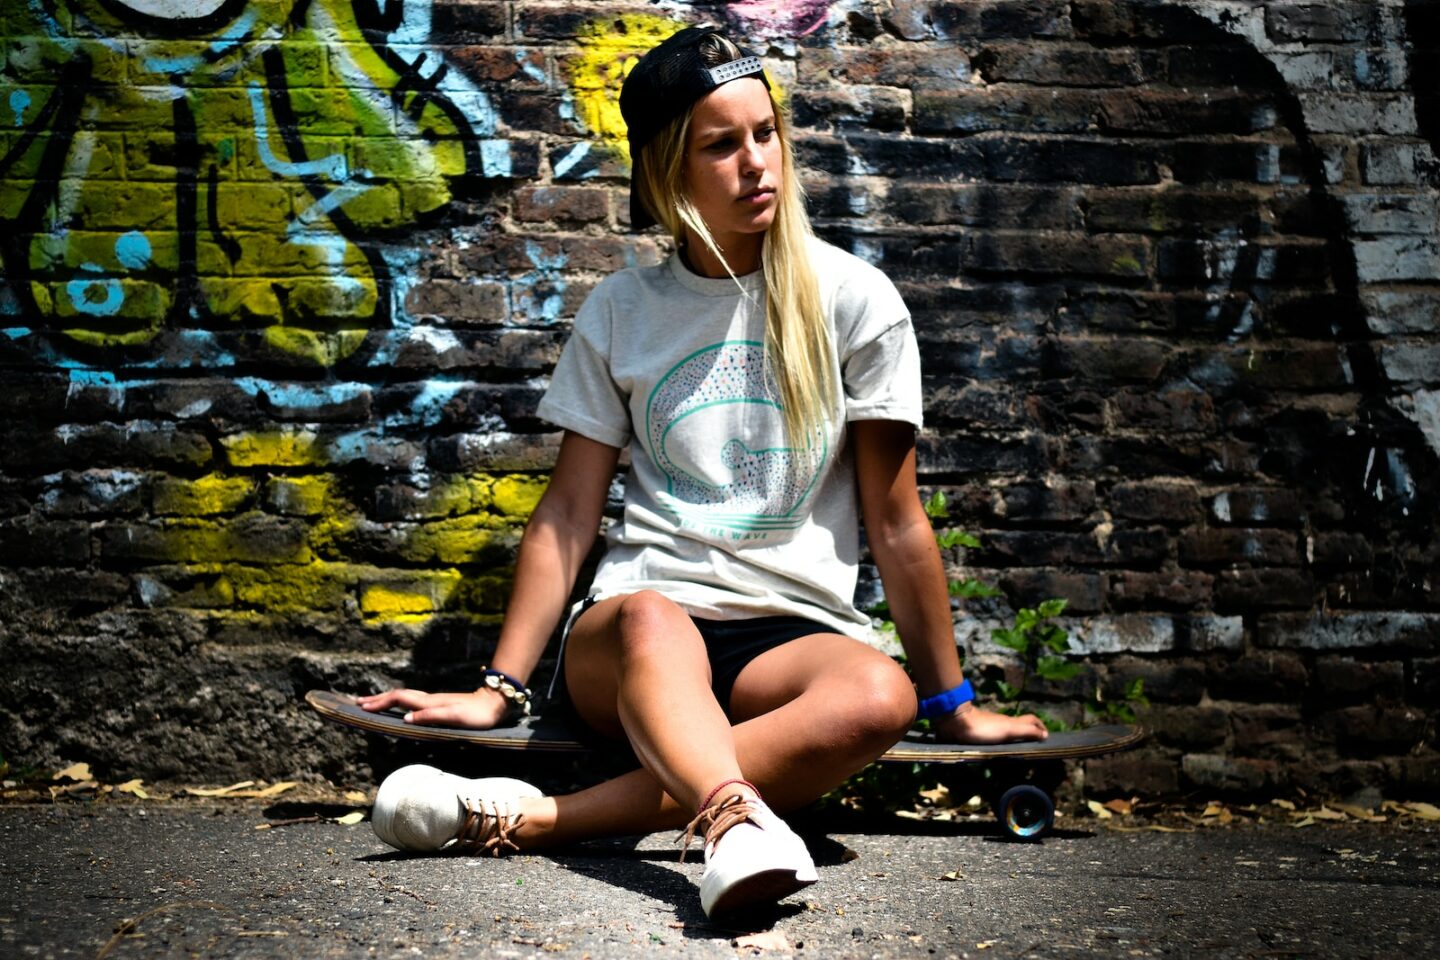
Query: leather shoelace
[[487, 830], [717, 819]]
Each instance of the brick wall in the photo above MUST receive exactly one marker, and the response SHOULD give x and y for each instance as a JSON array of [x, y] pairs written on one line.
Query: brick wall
[[283, 280]]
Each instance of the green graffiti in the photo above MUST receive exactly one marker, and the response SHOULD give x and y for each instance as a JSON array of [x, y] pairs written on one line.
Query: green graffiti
[[175, 164]]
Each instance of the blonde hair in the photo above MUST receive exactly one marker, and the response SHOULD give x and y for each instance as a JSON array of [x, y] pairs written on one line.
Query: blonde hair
[[797, 337]]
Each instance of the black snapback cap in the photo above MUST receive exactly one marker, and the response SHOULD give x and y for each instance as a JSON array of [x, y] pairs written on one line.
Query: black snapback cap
[[662, 86]]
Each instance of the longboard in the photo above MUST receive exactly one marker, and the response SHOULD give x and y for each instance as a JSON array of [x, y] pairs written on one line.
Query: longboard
[[1020, 786]]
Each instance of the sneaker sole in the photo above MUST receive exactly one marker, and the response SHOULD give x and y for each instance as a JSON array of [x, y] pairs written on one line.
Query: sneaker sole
[[767, 886]]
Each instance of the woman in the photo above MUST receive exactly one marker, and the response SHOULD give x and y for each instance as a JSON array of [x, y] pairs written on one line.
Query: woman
[[767, 385]]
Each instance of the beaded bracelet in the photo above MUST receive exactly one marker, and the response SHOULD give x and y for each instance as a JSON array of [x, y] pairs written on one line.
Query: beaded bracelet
[[508, 687]]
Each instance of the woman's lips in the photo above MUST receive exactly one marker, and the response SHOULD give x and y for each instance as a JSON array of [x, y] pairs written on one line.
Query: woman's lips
[[762, 195]]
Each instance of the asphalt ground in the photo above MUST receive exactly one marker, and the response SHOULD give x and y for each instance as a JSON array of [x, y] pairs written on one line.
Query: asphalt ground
[[240, 879]]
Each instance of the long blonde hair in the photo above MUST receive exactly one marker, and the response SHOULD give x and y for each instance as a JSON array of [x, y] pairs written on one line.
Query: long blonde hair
[[797, 337]]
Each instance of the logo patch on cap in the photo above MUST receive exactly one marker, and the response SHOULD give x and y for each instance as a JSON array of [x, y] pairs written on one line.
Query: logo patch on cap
[[736, 69]]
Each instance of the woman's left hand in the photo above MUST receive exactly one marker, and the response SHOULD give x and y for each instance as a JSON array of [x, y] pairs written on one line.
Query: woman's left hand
[[481, 710], [970, 724]]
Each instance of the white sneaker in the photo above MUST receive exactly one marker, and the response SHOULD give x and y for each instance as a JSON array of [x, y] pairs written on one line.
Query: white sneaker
[[751, 857], [422, 808]]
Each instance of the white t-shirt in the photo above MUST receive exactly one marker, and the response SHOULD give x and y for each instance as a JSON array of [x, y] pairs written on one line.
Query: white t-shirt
[[721, 515]]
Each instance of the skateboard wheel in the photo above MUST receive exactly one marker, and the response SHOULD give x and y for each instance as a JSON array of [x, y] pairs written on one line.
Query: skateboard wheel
[[1026, 812]]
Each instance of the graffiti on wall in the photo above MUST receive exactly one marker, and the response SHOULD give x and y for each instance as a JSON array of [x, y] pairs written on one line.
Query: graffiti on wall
[[263, 146], [251, 164]]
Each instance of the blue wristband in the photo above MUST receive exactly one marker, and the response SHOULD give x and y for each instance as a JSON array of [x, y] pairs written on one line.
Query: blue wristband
[[944, 704]]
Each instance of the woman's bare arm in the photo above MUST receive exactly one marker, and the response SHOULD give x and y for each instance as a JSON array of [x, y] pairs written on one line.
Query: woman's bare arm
[[903, 545], [556, 541]]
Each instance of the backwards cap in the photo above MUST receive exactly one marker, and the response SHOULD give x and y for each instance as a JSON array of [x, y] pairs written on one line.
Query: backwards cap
[[663, 85]]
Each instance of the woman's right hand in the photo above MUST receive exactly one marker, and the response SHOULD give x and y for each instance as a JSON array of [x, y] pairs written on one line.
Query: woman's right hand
[[481, 710]]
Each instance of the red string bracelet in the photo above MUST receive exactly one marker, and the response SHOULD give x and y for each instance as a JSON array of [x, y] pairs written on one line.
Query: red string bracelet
[[723, 784]]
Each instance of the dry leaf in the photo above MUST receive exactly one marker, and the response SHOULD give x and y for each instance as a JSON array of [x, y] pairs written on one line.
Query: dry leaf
[[1213, 810], [767, 940], [1425, 811], [1122, 807], [219, 791], [909, 815], [356, 796], [274, 790], [1325, 813], [1307, 822], [986, 944], [76, 771], [133, 787], [1282, 804], [1360, 813], [351, 818], [939, 796], [952, 875], [73, 789], [1098, 810]]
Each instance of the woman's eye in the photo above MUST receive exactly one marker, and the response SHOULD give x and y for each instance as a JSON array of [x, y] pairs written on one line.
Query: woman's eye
[[719, 145], [765, 133]]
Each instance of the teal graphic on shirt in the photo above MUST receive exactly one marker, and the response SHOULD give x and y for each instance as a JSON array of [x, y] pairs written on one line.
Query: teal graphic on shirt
[[715, 428]]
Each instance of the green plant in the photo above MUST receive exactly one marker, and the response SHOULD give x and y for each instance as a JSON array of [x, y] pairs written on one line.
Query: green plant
[[1042, 646], [1031, 636], [1122, 710]]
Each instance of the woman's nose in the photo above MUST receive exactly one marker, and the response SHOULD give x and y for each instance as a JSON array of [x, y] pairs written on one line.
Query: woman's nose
[[753, 160]]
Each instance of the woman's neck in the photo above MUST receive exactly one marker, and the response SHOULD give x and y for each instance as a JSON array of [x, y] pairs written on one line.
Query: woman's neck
[[742, 251]]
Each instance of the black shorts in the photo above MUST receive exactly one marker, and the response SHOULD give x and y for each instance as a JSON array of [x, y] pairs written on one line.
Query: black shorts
[[730, 645]]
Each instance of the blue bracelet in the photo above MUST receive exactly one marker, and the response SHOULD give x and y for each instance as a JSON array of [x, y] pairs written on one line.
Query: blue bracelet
[[944, 704]]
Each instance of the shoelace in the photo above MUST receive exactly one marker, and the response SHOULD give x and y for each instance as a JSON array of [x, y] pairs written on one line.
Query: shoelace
[[722, 816], [487, 830]]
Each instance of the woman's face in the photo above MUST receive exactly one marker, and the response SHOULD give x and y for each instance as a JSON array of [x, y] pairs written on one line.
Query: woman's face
[[733, 161]]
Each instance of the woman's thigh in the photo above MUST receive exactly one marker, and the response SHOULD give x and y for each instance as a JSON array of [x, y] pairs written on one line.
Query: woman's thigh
[[842, 677], [633, 630]]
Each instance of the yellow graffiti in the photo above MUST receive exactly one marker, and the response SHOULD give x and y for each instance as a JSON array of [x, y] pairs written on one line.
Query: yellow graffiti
[[427, 593], [273, 448], [609, 49], [517, 496], [203, 496], [238, 553]]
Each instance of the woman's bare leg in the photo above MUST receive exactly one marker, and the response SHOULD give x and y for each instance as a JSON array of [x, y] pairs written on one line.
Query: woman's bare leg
[[812, 712]]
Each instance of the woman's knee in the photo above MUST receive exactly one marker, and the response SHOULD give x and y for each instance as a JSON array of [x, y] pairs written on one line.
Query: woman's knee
[[878, 701], [648, 623]]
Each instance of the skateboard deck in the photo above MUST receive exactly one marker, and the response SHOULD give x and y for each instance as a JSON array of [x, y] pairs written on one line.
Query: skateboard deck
[[1020, 783]]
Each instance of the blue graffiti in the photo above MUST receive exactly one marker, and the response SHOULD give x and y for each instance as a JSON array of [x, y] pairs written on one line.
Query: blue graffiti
[[92, 378], [95, 296], [300, 396], [495, 158], [540, 294], [19, 103], [133, 250], [231, 38], [566, 163], [428, 407], [333, 166]]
